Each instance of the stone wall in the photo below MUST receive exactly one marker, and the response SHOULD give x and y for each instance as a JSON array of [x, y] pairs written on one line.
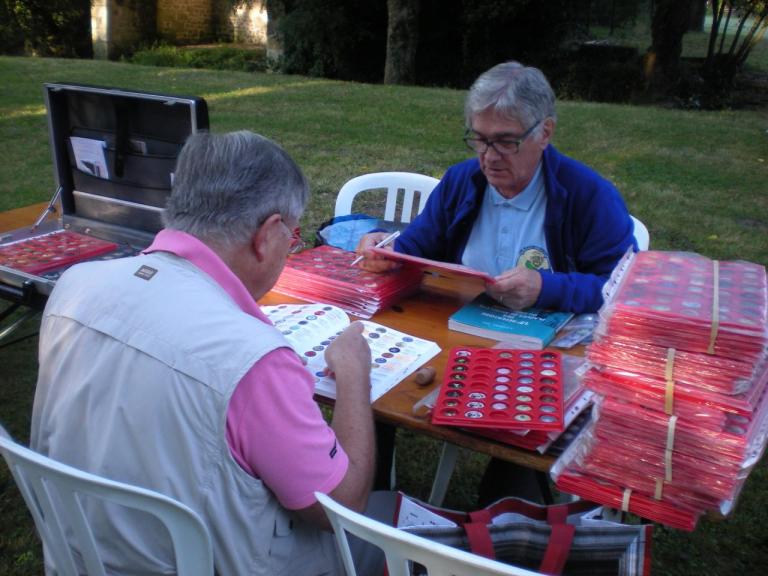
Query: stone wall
[[119, 27], [199, 21], [186, 21]]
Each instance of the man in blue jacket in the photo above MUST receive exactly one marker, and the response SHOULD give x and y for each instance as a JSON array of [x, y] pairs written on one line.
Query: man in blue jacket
[[548, 229]]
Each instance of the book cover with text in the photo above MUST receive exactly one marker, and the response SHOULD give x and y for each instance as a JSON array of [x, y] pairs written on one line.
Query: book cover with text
[[530, 328]]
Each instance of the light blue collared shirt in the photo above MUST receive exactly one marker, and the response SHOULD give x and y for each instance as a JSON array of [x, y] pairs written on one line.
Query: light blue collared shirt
[[509, 232]]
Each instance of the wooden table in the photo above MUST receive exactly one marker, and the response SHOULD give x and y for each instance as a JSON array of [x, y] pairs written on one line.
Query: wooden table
[[424, 315], [20, 217]]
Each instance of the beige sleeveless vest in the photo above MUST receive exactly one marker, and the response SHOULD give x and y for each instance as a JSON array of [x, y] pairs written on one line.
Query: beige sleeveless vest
[[139, 358]]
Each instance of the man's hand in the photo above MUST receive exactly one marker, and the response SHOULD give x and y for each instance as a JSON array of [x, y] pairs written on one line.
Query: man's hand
[[371, 262], [516, 288], [349, 356]]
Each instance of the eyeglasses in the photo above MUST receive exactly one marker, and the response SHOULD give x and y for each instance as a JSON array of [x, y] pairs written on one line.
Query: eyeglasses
[[297, 242], [505, 145]]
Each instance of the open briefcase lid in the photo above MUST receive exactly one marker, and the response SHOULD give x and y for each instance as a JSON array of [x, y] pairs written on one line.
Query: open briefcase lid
[[114, 153]]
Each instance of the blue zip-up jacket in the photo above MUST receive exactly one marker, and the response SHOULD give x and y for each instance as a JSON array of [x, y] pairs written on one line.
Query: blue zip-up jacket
[[587, 228]]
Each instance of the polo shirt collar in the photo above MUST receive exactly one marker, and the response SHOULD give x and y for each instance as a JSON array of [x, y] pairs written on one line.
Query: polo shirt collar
[[202, 257], [523, 201]]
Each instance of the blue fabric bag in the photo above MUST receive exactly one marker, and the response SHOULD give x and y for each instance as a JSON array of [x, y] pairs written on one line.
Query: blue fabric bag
[[345, 231]]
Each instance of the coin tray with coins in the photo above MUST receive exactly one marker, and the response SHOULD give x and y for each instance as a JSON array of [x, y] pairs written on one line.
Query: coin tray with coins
[[501, 388]]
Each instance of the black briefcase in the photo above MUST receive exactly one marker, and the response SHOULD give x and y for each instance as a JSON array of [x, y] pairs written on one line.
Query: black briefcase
[[114, 154]]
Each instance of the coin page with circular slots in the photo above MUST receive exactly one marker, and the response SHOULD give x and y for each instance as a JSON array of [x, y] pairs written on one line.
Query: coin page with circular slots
[[53, 250], [500, 388]]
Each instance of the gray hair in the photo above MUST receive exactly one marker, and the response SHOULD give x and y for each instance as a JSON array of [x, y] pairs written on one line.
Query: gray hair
[[513, 91], [226, 185]]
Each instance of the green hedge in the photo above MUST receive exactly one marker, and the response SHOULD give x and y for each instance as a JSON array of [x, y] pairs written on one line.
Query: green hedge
[[215, 57]]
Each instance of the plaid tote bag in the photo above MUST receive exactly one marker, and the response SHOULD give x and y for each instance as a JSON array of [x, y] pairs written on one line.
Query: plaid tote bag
[[565, 539]]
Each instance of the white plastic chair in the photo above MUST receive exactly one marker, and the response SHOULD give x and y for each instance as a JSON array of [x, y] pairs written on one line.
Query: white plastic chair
[[400, 547], [53, 490], [450, 452], [642, 236], [409, 183]]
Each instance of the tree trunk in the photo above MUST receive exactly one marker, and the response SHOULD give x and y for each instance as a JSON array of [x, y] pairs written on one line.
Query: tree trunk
[[698, 14], [402, 40], [671, 20], [81, 36]]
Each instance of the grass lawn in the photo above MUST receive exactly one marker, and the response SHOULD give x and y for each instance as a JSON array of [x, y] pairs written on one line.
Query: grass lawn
[[697, 180]]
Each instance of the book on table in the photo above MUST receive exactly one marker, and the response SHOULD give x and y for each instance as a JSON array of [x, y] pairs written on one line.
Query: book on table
[[310, 328], [531, 328]]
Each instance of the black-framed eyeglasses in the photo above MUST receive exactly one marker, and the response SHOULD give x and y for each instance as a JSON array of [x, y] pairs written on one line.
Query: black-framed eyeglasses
[[503, 145]]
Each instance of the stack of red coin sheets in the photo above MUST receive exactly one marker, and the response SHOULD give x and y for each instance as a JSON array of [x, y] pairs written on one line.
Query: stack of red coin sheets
[[589, 488], [707, 372], [680, 376], [709, 410], [326, 274], [687, 301], [626, 469], [705, 465], [50, 251]]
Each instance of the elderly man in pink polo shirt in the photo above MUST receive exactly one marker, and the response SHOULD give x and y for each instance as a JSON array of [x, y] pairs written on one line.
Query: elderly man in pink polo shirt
[[162, 371]]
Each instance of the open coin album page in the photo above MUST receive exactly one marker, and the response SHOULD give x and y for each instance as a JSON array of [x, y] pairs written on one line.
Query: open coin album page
[[310, 329]]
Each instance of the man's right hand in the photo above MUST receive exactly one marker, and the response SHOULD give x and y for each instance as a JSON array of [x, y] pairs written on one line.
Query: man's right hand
[[372, 262], [349, 356]]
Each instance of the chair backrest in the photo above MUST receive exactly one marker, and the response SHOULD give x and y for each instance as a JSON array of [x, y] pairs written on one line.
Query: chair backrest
[[53, 493], [400, 547], [393, 182], [641, 234]]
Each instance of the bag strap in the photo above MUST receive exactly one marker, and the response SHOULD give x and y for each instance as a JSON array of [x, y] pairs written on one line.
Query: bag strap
[[478, 535], [480, 539], [481, 516], [557, 514], [558, 548]]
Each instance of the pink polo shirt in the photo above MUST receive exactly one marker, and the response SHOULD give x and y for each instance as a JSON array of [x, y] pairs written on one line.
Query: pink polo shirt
[[275, 430]]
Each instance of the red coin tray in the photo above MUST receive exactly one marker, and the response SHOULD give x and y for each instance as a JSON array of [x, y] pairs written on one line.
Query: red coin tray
[[500, 388], [54, 250]]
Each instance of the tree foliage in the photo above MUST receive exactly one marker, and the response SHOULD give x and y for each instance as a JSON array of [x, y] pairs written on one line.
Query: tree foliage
[[609, 13], [737, 26], [342, 39], [454, 40], [50, 27], [459, 39]]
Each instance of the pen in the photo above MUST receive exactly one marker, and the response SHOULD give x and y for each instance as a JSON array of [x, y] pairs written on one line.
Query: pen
[[389, 239]]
